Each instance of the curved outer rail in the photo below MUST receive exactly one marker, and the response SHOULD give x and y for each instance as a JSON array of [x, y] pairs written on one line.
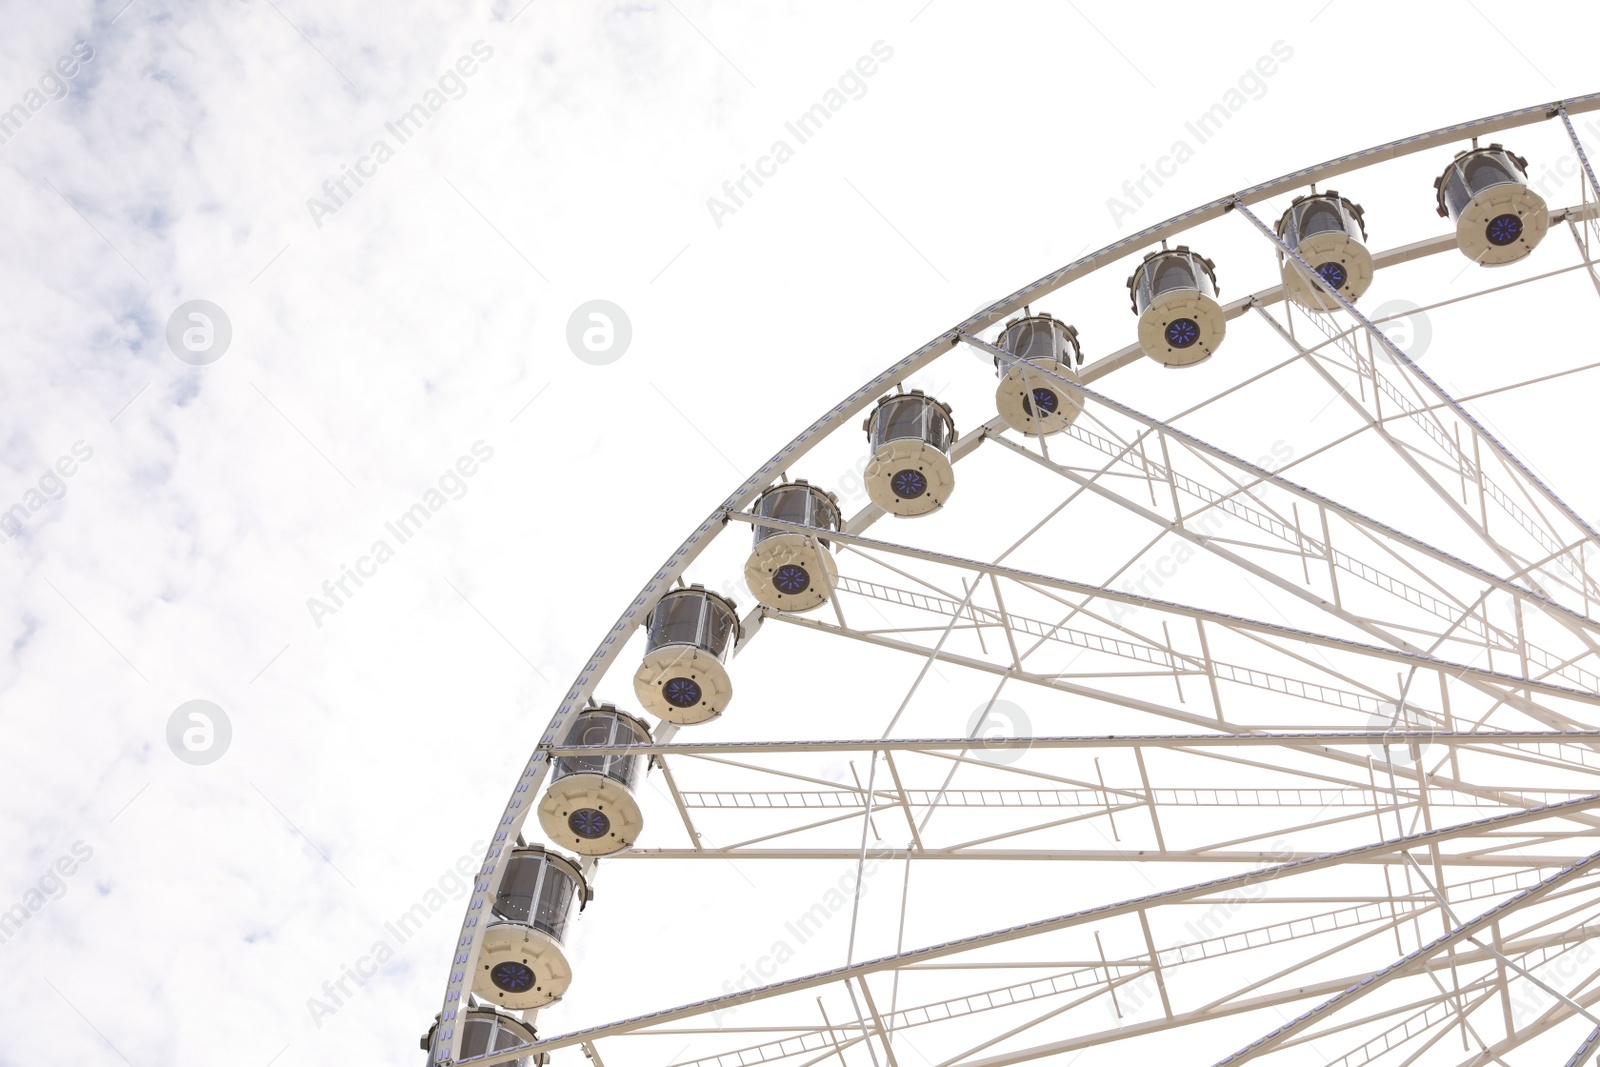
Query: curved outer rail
[[447, 1036]]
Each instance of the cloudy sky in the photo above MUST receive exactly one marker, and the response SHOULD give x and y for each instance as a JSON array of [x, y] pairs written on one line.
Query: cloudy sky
[[187, 506]]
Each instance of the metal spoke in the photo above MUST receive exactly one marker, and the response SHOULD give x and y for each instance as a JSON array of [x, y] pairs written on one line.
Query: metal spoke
[[1332, 662]]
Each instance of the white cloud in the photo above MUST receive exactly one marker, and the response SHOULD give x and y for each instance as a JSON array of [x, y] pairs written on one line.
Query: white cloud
[[369, 353]]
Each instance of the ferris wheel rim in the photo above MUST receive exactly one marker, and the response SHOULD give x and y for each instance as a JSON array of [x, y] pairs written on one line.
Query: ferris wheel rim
[[444, 1040]]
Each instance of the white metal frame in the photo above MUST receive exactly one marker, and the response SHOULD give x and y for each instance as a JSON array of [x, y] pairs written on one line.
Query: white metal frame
[[1434, 625]]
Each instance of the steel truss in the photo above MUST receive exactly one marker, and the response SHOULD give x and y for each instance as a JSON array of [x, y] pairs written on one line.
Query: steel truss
[[1418, 719]]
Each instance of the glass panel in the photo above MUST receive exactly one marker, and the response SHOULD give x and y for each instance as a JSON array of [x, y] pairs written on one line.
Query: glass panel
[[1289, 228], [479, 1033], [1481, 172], [675, 621], [1352, 223], [1321, 216], [1456, 194], [505, 1038], [824, 513], [906, 418], [719, 631], [799, 503], [1171, 273], [787, 503], [625, 769], [898, 419], [939, 430], [593, 728], [626, 733], [476, 1034], [518, 888], [554, 909], [1034, 339]]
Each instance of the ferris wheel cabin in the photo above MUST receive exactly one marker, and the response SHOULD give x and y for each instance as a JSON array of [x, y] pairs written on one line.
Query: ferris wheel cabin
[[486, 1030], [522, 964], [689, 635], [1031, 397], [591, 805], [910, 472], [1328, 232], [787, 570], [1174, 294], [1498, 218]]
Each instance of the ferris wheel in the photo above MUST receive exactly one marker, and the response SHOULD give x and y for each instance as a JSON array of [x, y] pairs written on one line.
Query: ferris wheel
[[1262, 728]]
